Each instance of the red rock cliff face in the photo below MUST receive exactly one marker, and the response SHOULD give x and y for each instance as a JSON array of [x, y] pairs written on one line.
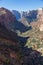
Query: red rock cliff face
[[6, 17]]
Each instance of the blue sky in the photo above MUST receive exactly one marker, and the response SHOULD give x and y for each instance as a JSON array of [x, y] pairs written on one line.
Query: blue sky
[[21, 4]]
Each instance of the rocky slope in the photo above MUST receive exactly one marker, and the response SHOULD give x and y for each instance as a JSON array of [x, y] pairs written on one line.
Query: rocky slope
[[24, 21], [7, 18]]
